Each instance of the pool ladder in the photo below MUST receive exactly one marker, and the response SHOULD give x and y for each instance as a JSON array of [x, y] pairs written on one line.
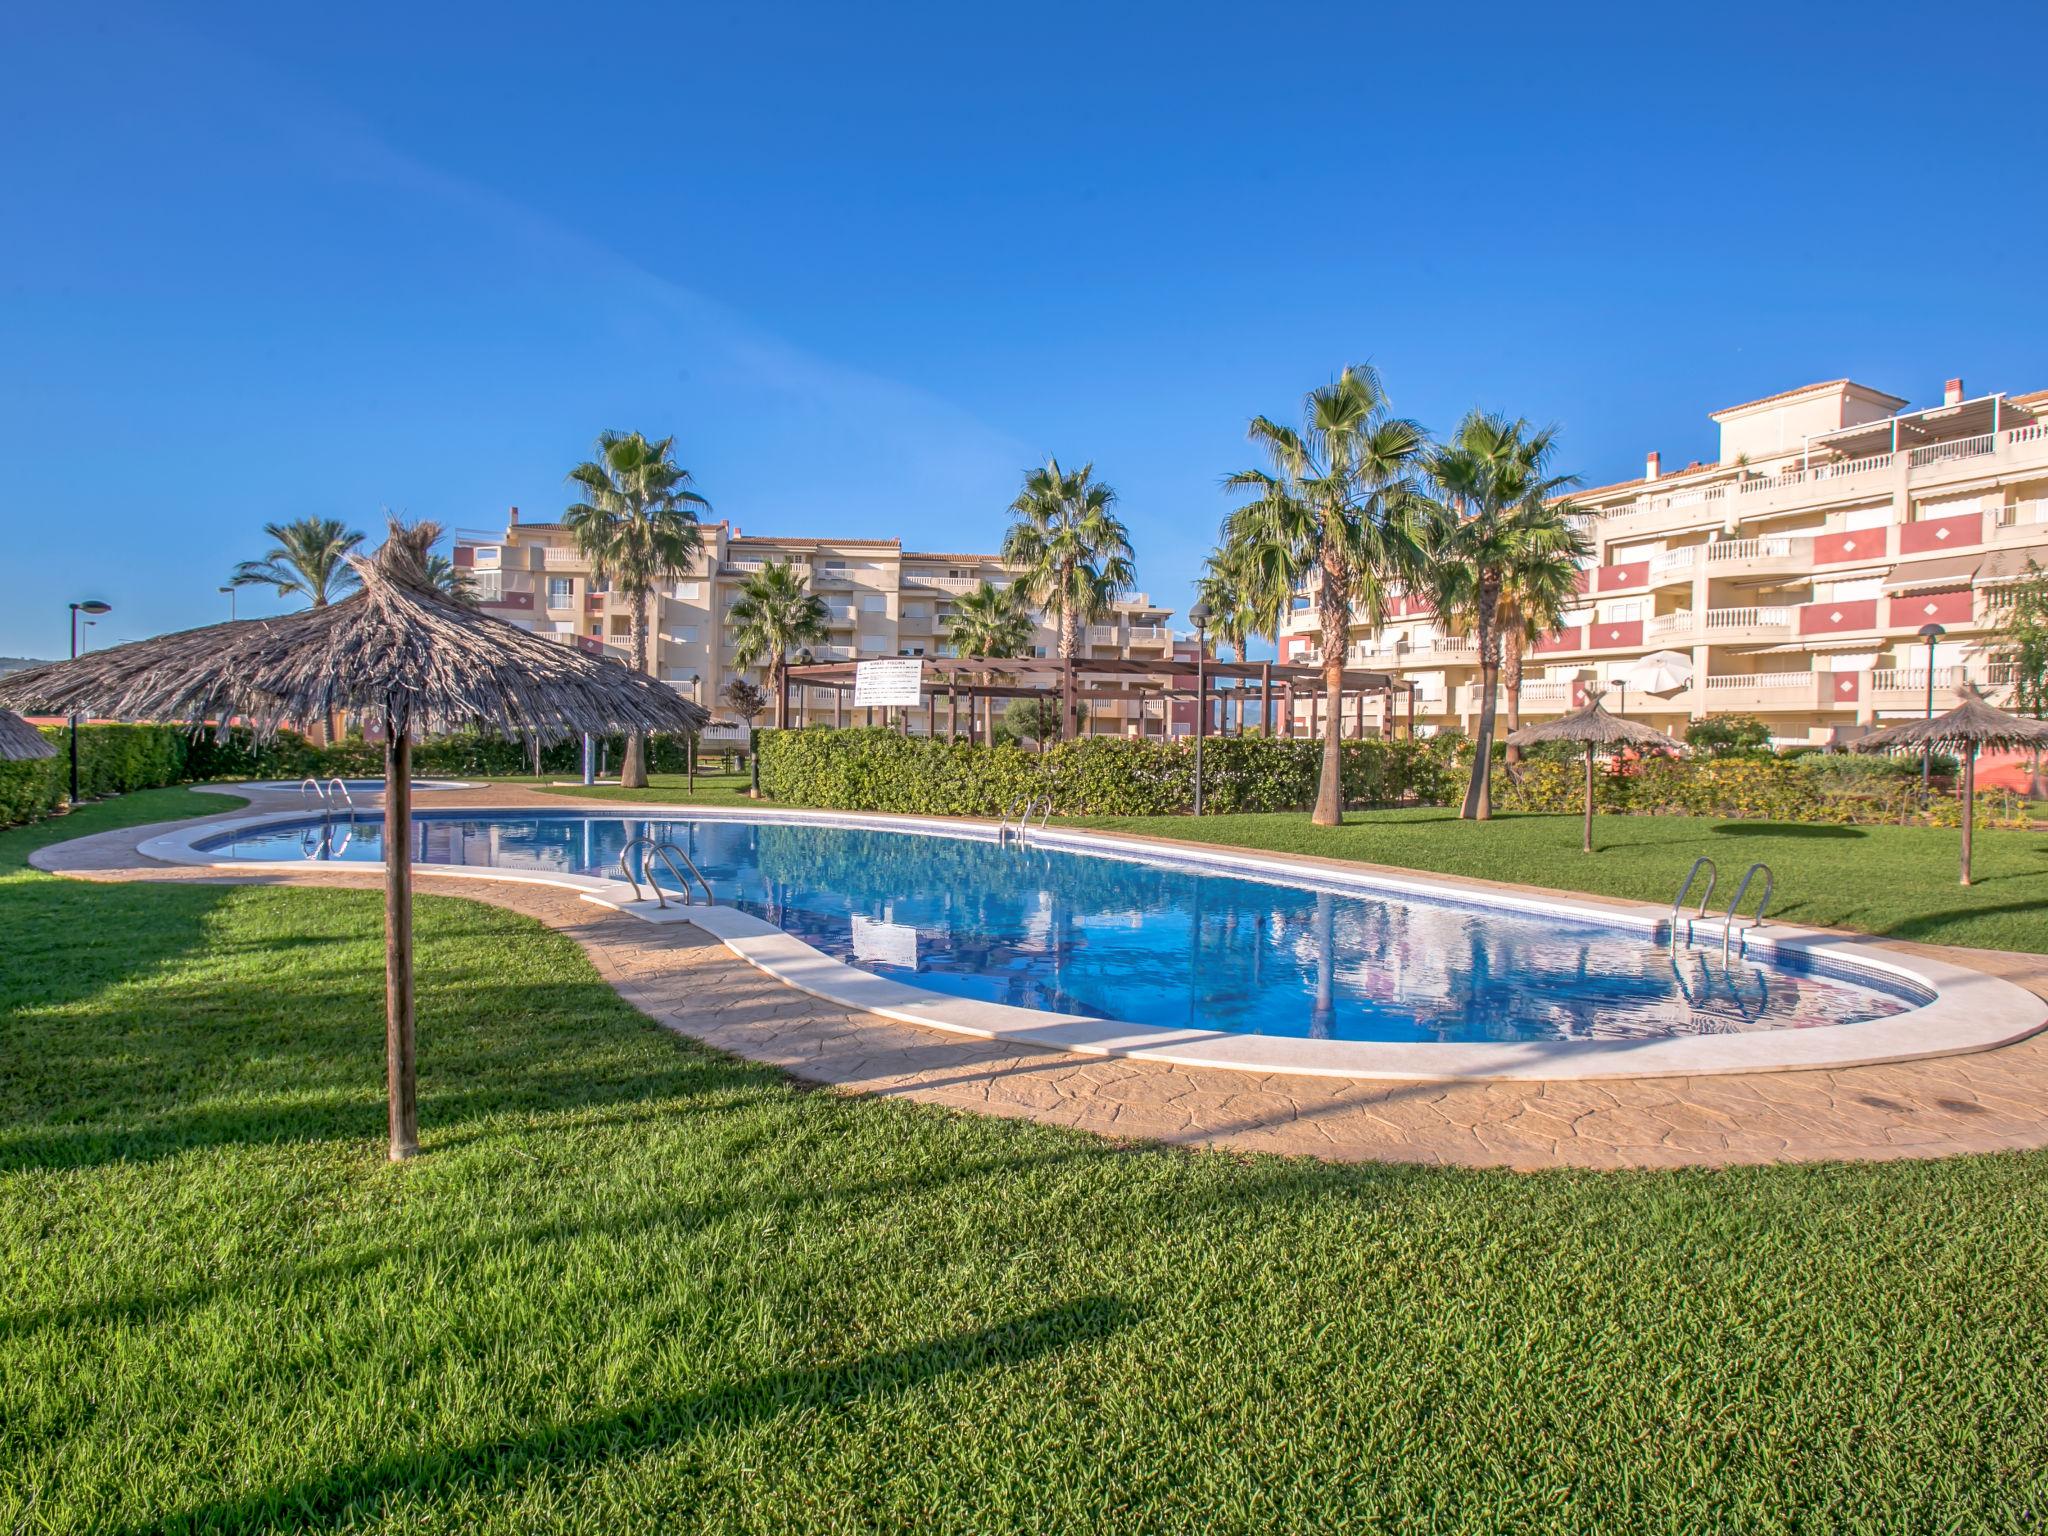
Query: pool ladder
[[1041, 807], [324, 795], [1734, 907], [668, 852]]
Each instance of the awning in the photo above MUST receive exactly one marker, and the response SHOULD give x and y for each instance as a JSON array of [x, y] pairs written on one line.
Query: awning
[[1944, 574], [2003, 565], [1814, 648]]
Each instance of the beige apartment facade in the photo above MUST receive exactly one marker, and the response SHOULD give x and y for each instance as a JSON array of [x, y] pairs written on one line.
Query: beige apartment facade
[[1791, 579], [880, 600]]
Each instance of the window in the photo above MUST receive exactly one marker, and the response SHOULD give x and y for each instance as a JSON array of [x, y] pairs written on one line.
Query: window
[[597, 631], [1299, 604], [875, 603], [685, 635], [915, 650], [874, 645], [487, 554], [622, 624], [690, 591], [915, 611], [1623, 613], [561, 591]]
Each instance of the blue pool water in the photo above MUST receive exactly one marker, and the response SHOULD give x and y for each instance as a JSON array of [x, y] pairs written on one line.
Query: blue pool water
[[1153, 942]]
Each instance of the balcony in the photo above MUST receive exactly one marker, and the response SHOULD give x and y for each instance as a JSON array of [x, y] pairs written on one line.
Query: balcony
[[1737, 624], [1768, 692], [1779, 554], [1151, 634], [1102, 634], [954, 584], [1665, 626]]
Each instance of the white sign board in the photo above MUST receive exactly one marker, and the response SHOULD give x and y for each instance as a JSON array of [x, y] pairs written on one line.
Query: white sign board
[[890, 682]]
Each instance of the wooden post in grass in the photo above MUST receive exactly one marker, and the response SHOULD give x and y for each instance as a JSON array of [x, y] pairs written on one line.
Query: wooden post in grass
[[1589, 797], [1266, 698], [401, 1084], [1969, 803]]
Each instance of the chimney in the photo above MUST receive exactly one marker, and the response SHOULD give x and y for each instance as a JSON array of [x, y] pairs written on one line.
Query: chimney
[[1952, 392], [512, 520], [1650, 466]]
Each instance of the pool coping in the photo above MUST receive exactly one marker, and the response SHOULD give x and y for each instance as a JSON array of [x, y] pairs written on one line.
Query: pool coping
[[1971, 1011]]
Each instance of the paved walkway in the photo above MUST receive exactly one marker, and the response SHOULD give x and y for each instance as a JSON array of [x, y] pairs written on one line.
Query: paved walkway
[[1991, 1101]]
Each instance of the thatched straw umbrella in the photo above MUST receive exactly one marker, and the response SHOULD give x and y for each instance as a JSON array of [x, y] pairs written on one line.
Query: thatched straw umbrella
[[1597, 729], [399, 654], [1965, 730], [21, 742]]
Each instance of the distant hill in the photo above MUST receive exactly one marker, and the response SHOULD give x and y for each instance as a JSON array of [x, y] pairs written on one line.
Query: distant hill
[[16, 663]]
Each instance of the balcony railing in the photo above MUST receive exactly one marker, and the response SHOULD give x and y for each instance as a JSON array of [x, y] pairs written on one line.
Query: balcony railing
[[1673, 560], [1852, 466], [1152, 633], [1102, 634], [1677, 623], [1770, 547], [957, 584], [1767, 682], [1914, 681], [1749, 618], [1957, 448], [2033, 434]]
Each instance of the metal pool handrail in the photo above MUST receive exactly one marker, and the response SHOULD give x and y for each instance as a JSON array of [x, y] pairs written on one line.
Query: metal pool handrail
[[669, 853], [336, 785], [1713, 877], [1762, 906]]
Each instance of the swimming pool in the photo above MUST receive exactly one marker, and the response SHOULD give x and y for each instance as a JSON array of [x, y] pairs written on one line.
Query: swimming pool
[[1162, 941]]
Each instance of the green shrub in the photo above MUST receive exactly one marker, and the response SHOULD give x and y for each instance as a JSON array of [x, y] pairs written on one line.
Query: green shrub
[[1728, 735], [879, 770]]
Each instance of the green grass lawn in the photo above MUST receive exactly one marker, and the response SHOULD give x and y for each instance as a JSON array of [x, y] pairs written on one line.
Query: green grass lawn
[[633, 1286], [709, 789], [1887, 880]]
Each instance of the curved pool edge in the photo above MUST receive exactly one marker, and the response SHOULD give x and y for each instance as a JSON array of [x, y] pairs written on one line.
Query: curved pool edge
[[1971, 1011]]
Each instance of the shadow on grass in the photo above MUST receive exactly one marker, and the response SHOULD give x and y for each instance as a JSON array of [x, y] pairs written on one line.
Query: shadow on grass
[[354, 1495], [1939, 927], [1788, 829]]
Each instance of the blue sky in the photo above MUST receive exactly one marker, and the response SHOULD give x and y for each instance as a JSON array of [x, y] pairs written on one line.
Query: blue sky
[[868, 263]]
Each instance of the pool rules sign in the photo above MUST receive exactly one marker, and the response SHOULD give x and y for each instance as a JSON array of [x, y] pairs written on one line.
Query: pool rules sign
[[895, 682]]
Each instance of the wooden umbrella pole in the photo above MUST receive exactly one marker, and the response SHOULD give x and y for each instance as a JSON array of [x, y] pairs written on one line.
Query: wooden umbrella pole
[[1589, 797], [1969, 803], [398, 994]]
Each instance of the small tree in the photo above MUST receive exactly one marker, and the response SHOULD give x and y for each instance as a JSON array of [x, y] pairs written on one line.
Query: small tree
[[1038, 720], [747, 701], [1728, 736], [2023, 641]]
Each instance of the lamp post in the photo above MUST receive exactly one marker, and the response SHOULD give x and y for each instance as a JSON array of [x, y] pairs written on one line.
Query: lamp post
[[229, 594], [1200, 614], [1930, 633], [95, 607]]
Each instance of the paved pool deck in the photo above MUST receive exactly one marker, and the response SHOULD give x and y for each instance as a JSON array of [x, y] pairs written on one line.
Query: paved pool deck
[[1990, 1101]]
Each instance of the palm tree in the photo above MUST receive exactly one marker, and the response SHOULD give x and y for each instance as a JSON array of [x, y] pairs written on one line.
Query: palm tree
[[776, 613], [1491, 516], [990, 621], [1539, 585], [1233, 615], [1075, 556], [309, 556], [415, 542], [444, 575], [1341, 499], [636, 526]]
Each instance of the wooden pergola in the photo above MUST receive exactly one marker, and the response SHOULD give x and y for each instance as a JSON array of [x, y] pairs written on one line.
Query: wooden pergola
[[980, 680]]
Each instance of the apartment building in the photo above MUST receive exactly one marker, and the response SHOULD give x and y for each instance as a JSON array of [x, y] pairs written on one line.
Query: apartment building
[[880, 600], [1793, 578]]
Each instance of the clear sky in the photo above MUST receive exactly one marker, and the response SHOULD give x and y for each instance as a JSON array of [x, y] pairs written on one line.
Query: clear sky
[[867, 263]]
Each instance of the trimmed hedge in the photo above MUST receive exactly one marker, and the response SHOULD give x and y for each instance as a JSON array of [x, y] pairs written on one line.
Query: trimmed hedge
[[880, 770], [112, 760], [1811, 788]]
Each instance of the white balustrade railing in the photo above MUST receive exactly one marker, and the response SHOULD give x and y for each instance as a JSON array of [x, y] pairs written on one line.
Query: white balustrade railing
[[1771, 546], [1914, 679], [1956, 448], [1673, 560], [1768, 682], [2033, 434], [1852, 466], [1773, 482], [1679, 622], [1749, 618]]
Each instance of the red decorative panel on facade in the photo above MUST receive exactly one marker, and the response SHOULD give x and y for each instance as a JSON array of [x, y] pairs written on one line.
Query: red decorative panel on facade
[[1614, 636], [1917, 608], [1583, 582], [1854, 544], [1633, 574], [1578, 693], [465, 554], [1826, 618], [510, 600], [595, 647], [1846, 687], [1563, 640], [1942, 533], [593, 603]]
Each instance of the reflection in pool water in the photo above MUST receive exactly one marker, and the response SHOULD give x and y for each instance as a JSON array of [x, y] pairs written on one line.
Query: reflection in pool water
[[1159, 943]]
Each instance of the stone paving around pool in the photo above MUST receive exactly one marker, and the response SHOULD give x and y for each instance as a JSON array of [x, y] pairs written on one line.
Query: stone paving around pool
[[1991, 1101]]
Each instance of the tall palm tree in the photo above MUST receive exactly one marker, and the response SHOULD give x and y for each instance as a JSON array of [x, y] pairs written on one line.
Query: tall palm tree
[[1232, 613], [1075, 555], [1341, 499], [309, 557], [1493, 485], [1539, 585], [637, 525], [776, 613], [990, 621]]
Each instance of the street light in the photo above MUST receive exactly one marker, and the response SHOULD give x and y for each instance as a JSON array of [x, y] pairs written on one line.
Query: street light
[[229, 594], [92, 606], [1200, 614], [1930, 633]]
